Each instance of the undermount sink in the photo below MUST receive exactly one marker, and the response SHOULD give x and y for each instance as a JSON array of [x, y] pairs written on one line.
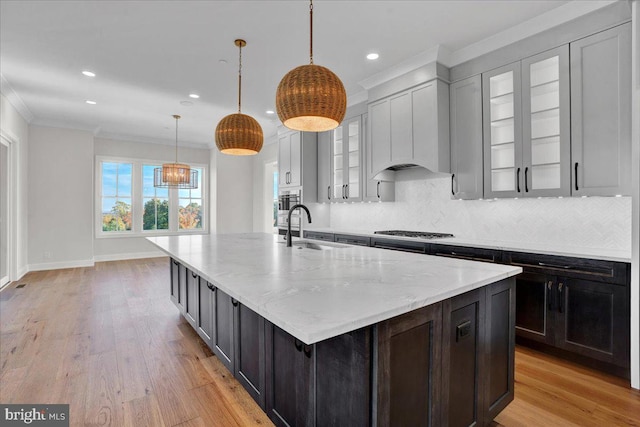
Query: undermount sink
[[305, 244]]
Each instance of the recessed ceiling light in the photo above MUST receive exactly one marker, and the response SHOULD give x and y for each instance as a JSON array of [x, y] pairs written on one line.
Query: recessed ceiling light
[[372, 56], [88, 73], [186, 103], [194, 96], [88, 101], [270, 112], [222, 61]]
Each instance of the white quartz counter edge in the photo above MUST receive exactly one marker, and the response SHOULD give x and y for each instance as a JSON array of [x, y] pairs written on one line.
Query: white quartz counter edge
[[316, 295], [618, 255]]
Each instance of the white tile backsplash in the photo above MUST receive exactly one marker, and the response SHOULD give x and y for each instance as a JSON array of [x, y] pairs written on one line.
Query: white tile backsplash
[[425, 204]]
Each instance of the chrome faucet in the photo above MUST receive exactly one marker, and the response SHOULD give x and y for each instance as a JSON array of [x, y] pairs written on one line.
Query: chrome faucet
[[294, 207]]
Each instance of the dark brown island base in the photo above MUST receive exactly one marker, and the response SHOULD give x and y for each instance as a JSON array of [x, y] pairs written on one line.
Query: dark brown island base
[[450, 363]]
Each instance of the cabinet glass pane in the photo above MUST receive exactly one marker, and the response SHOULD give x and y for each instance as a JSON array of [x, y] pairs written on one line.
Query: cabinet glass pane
[[546, 176], [503, 180], [502, 132], [545, 124], [338, 163]]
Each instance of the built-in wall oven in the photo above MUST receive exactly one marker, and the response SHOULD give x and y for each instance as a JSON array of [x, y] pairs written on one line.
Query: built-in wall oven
[[287, 198]]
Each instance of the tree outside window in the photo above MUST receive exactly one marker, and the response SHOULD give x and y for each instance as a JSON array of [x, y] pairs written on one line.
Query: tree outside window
[[190, 206], [155, 210], [116, 196]]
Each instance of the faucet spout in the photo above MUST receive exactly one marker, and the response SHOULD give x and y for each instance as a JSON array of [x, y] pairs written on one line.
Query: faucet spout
[[294, 207]]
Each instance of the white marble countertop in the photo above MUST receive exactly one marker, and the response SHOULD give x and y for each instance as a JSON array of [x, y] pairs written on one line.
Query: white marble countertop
[[605, 254], [319, 294]]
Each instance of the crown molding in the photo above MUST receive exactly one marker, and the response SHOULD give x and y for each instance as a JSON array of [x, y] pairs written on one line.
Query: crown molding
[[437, 53], [14, 99]]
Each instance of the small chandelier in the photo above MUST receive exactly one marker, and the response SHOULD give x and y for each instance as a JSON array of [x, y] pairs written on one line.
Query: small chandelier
[[177, 175], [239, 134], [311, 97]]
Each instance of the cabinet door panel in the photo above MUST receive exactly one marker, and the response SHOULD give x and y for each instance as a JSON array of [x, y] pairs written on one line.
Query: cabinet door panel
[[284, 160], [601, 113], [534, 303], [546, 123], [182, 287], [379, 154], [502, 124], [401, 128], [223, 329], [191, 302], [290, 380], [250, 352], [466, 138], [593, 320], [295, 170], [205, 312], [324, 167], [175, 280]]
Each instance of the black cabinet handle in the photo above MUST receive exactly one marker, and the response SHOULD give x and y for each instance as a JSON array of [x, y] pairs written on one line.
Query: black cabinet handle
[[564, 267], [174, 261], [298, 344], [194, 275], [329, 192], [378, 189], [234, 302], [560, 298], [526, 183], [576, 173], [307, 350], [347, 188], [211, 287], [453, 193], [518, 179], [550, 295]]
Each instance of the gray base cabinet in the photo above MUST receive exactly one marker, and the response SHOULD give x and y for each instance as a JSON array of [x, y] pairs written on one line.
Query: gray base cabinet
[[249, 341], [204, 318], [223, 330]]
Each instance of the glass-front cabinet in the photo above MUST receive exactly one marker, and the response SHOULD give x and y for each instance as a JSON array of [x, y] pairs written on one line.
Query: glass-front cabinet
[[346, 160], [527, 127]]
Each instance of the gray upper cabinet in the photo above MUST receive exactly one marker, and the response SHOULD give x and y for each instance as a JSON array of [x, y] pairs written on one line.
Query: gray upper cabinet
[[374, 190], [289, 159], [410, 128], [465, 100], [324, 167], [526, 127], [298, 163], [601, 113], [346, 160]]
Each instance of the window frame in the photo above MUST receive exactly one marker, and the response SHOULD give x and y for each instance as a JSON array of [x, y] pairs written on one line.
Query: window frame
[[137, 198]]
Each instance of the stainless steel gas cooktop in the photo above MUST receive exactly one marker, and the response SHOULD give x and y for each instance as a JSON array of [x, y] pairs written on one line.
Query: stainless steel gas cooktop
[[418, 234]]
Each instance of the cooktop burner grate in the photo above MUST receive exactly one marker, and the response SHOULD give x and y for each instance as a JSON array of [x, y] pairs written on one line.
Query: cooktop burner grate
[[418, 234]]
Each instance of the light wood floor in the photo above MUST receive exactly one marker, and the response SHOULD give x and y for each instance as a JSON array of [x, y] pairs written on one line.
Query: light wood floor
[[108, 341]]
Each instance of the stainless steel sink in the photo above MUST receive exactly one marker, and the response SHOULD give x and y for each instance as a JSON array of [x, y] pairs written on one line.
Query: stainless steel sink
[[305, 244]]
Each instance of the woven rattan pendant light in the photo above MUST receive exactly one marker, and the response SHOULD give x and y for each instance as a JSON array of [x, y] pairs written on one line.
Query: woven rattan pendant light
[[239, 134], [178, 175], [311, 97]]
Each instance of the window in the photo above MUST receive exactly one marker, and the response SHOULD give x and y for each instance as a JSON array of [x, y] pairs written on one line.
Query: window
[[155, 202], [190, 206], [116, 196], [128, 204]]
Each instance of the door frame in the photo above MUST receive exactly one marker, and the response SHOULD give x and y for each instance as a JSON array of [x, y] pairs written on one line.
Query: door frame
[[10, 142]]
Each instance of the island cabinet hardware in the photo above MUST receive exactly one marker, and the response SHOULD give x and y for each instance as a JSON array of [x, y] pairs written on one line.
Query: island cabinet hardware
[[316, 235], [353, 240]]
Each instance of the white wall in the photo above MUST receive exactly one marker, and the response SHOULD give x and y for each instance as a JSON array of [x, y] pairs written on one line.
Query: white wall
[[60, 198], [13, 125], [234, 193], [268, 154], [136, 247], [425, 204]]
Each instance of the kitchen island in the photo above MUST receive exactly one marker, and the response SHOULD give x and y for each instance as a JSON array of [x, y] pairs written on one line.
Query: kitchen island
[[328, 334]]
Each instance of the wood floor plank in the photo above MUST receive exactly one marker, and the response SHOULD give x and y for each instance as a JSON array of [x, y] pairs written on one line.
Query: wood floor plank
[[133, 371], [72, 390], [143, 412], [103, 403], [75, 358], [10, 382]]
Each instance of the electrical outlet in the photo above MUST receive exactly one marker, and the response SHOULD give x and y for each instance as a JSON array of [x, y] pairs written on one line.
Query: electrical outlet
[[48, 255]]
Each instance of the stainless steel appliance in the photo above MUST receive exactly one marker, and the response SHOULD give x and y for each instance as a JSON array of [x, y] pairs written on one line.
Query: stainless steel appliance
[[417, 234], [286, 200]]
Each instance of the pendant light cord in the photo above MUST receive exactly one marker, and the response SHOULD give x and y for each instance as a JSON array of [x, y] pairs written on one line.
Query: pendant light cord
[[311, 31], [176, 117], [240, 79]]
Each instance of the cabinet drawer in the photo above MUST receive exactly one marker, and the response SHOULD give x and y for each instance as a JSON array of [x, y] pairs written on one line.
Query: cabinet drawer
[[399, 245], [316, 235], [473, 254], [590, 269], [353, 240]]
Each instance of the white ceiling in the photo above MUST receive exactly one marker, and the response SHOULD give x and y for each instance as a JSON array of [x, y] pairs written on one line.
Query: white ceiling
[[149, 55]]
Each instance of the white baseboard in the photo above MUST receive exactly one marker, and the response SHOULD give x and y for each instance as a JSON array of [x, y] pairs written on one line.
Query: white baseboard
[[132, 255], [61, 264], [21, 272]]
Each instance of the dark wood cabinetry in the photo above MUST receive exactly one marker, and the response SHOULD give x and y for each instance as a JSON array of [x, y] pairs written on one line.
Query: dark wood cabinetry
[[174, 267], [249, 341], [223, 332], [579, 306], [353, 240], [290, 379], [191, 300], [317, 235], [204, 318], [462, 252], [399, 245]]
